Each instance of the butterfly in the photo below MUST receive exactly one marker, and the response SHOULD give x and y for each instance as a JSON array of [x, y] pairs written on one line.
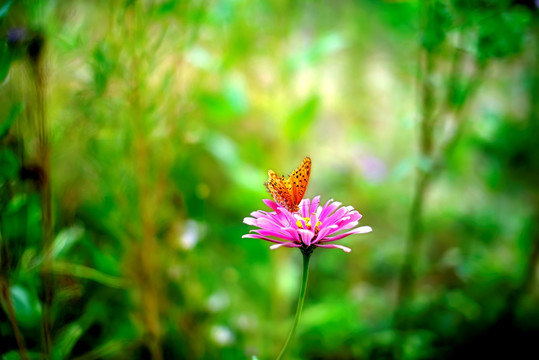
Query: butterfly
[[289, 192]]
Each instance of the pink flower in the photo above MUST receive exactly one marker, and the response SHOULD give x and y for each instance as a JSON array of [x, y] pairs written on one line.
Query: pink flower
[[312, 226]]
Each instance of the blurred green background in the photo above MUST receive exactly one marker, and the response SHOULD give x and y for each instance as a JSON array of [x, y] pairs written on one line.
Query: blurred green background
[[135, 136]]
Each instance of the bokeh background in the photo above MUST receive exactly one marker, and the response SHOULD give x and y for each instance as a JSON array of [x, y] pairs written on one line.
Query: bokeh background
[[135, 136]]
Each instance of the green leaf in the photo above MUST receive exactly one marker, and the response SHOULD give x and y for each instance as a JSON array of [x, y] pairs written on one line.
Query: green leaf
[[15, 355], [67, 339], [5, 61], [322, 48], [65, 240], [5, 9], [234, 93], [102, 66], [13, 217], [167, 7], [27, 306], [14, 113], [9, 165], [106, 350], [226, 152], [302, 118], [438, 23], [502, 35], [457, 94], [69, 335], [21, 221], [86, 272], [227, 104]]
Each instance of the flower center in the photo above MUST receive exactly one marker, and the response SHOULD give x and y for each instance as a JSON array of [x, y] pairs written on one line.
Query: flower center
[[308, 224]]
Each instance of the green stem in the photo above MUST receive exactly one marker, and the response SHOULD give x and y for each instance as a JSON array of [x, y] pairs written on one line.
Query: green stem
[[304, 278], [7, 304]]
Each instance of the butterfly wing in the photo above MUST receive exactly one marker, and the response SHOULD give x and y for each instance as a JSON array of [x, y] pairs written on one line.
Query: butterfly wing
[[279, 188], [299, 179], [289, 192]]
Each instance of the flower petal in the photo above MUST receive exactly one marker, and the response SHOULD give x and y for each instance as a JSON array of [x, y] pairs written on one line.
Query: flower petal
[[315, 203], [270, 203], [276, 246], [355, 216], [335, 246], [335, 217], [359, 230], [282, 232], [348, 225], [306, 236], [304, 207], [314, 221], [256, 236], [277, 234], [328, 209], [325, 231], [312, 225]]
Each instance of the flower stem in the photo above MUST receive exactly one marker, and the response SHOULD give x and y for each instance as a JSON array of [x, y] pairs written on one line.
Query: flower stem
[[304, 278]]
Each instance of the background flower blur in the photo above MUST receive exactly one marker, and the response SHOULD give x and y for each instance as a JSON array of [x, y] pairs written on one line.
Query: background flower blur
[[135, 136]]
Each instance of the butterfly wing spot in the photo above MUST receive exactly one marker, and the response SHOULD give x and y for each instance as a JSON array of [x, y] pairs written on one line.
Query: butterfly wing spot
[[279, 189], [289, 192], [300, 180]]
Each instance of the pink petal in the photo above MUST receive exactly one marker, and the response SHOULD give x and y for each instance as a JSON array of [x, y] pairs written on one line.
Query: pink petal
[[305, 206], [280, 232], [271, 222], [314, 220], [328, 210], [271, 204], [335, 217], [293, 233], [355, 216], [325, 231], [281, 226], [276, 246], [287, 217], [255, 236], [277, 234], [348, 225], [315, 203], [335, 246], [306, 236], [359, 230]]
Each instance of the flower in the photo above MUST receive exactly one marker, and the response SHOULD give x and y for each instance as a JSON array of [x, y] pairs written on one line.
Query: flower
[[312, 226]]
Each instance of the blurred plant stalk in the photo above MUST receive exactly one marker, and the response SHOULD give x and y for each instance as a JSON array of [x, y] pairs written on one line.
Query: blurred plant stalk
[[36, 56], [433, 148], [147, 194], [529, 273], [7, 304], [534, 126]]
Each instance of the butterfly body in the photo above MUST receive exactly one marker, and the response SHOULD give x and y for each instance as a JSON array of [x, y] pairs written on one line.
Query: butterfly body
[[288, 192]]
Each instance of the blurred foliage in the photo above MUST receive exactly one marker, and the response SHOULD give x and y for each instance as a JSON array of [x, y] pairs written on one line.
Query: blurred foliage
[[153, 124]]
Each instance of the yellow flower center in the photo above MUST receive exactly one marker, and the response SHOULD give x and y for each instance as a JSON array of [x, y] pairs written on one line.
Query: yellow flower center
[[308, 224]]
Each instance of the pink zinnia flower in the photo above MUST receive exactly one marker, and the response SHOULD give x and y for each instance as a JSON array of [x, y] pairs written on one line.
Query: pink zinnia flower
[[312, 226]]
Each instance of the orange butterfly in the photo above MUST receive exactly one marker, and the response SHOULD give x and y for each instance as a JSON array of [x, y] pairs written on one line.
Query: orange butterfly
[[289, 192]]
